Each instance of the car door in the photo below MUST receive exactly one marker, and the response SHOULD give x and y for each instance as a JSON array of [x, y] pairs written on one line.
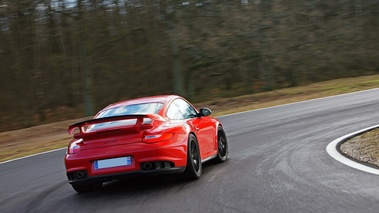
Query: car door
[[204, 127], [205, 133]]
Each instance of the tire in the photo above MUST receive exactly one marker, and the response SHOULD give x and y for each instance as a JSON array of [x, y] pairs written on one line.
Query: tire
[[194, 167], [222, 146], [82, 188]]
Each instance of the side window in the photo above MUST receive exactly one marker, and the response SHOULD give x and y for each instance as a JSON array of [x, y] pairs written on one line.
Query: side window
[[173, 112], [187, 110], [180, 110]]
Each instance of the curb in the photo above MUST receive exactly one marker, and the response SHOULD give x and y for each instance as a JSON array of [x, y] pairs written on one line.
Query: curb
[[333, 150]]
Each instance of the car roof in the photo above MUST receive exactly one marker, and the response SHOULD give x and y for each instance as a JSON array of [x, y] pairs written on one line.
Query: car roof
[[159, 98]]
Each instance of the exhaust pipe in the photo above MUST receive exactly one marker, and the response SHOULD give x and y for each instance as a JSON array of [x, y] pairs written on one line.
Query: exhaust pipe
[[147, 166], [157, 165], [80, 175]]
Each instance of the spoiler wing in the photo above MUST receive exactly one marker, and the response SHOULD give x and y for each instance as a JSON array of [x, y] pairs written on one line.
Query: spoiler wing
[[139, 117]]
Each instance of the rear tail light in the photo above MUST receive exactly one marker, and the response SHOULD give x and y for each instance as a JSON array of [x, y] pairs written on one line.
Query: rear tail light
[[74, 147], [153, 138]]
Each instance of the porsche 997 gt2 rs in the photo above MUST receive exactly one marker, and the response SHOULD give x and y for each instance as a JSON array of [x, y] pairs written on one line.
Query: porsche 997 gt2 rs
[[145, 136]]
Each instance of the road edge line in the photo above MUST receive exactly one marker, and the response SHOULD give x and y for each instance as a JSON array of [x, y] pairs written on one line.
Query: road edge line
[[304, 101], [331, 149], [41, 153], [216, 117]]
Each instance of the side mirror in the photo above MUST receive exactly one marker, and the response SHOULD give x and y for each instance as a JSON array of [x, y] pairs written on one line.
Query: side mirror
[[205, 112]]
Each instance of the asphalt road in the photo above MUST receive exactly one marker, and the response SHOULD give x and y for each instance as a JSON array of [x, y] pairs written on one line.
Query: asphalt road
[[278, 163]]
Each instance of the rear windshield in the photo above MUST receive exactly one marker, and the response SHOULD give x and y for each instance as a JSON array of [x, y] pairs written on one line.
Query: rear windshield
[[143, 108]]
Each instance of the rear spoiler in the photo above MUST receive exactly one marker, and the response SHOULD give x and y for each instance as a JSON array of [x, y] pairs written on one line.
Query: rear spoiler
[[139, 118]]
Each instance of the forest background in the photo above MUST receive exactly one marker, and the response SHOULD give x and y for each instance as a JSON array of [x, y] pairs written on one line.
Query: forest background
[[64, 59]]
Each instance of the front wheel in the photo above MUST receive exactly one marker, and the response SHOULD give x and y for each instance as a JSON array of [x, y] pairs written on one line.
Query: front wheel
[[194, 166], [222, 146]]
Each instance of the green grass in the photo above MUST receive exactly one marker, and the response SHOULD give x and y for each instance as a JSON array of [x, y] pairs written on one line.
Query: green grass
[[19, 143]]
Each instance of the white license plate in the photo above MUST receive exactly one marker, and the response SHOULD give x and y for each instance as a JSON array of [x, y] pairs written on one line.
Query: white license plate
[[113, 162]]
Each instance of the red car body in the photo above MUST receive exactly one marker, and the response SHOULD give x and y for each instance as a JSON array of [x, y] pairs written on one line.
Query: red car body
[[144, 136]]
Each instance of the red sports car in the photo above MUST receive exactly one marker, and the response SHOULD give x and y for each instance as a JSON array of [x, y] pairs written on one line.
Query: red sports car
[[145, 136]]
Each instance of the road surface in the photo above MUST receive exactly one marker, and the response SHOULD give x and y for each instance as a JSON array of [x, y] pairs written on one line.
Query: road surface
[[278, 163]]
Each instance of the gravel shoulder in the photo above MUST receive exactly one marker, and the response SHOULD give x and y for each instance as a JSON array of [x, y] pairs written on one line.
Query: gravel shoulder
[[363, 148]]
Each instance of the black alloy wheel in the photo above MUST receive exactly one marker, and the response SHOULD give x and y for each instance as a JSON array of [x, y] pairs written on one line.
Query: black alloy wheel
[[194, 166], [222, 150]]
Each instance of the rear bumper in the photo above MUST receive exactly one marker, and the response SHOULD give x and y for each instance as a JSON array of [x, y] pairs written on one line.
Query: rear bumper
[[125, 175], [146, 160]]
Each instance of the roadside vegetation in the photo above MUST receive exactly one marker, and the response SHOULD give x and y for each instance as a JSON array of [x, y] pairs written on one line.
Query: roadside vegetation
[[23, 142], [363, 147], [64, 59]]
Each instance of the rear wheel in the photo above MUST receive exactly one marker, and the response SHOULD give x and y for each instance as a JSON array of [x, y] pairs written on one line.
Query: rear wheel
[[81, 188], [222, 150], [194, 166]]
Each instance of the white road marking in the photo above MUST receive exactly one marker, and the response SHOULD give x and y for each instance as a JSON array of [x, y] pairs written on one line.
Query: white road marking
[[289, 104], [218, 117], [31, 155], [331, 149]]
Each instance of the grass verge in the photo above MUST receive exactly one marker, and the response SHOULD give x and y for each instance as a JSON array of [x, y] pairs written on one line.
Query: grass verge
[[20, 143]]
